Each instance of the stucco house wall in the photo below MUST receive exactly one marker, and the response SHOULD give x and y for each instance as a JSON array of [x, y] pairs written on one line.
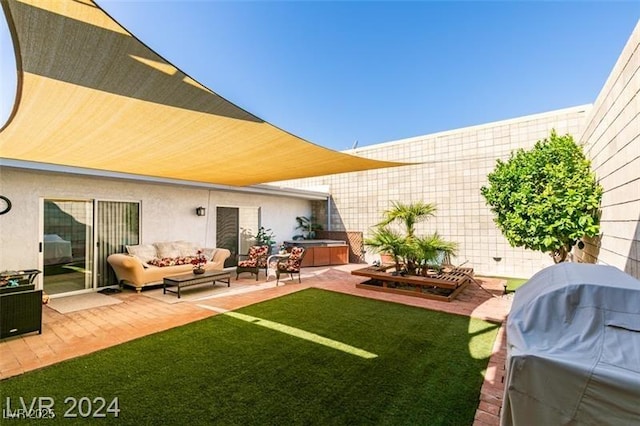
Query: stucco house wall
[[612, 141], [450, 168], [167, 210]]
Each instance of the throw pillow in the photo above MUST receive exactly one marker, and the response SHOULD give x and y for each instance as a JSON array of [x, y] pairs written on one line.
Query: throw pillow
[[144, 252], [186, 248], [171, 261], [168, 249]]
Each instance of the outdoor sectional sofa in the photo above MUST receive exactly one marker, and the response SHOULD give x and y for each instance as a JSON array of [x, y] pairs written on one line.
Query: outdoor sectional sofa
[[147, 264]]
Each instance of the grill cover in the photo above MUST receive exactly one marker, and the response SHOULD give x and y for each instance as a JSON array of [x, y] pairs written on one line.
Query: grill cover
[[573, 348]]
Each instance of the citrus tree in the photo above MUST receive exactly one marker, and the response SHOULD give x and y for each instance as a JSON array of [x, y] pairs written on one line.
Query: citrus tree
[[547, 198]]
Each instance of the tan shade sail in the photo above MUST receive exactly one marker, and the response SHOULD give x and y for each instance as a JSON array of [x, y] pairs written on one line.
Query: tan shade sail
[[91, 95]]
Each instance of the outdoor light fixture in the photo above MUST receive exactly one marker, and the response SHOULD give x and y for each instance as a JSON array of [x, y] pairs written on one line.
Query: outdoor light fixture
[[201, 211]]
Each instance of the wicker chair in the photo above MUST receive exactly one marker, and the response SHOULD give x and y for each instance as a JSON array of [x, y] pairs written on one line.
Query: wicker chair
[[256, 260], [290, 265]]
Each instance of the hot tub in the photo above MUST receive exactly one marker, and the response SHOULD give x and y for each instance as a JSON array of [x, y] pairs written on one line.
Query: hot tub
[[322, 252]]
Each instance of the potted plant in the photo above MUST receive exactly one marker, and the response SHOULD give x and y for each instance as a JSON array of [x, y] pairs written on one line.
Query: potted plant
[[198, 263], [265, 237], [386, 240], [308, 227]]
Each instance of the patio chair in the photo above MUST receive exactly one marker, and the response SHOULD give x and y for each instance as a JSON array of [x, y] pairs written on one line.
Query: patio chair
[[256, 260], [290, 265]]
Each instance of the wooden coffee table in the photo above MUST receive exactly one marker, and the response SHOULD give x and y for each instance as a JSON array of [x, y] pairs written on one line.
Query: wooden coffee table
[[186, 280]]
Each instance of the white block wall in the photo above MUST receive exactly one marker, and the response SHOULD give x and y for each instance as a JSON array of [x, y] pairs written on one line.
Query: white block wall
[[451, 168], [612, 141]]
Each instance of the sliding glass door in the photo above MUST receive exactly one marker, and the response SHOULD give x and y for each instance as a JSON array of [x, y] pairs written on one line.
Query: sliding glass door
[[118, 225], [67, 246], [75, 251]]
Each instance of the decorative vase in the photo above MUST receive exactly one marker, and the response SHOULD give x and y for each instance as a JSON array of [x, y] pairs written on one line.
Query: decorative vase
[[198, 270]]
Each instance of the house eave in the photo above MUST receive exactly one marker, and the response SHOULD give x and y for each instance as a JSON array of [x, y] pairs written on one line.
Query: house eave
[[251, 189]]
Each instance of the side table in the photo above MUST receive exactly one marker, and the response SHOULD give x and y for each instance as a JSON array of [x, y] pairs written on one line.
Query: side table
[[275, 258]]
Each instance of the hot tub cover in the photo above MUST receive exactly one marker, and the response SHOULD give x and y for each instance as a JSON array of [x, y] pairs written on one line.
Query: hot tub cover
[[573, 348]]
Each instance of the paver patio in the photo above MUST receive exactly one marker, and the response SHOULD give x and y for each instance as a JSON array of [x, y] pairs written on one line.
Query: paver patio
[[66, 336]]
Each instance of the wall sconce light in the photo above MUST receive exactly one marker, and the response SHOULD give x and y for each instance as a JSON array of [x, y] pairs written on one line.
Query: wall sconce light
[[201, 211]]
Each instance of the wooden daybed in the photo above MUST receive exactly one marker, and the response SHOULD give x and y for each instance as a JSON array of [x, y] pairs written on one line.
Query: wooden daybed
[[444, 286]]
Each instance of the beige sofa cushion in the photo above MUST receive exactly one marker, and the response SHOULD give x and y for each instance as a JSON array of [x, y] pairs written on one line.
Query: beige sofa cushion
[[175, 249], [186, 248], [144, 252], [167, 249]]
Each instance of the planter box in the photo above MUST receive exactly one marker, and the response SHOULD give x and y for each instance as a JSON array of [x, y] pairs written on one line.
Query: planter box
[[418, 291], [443, 286]]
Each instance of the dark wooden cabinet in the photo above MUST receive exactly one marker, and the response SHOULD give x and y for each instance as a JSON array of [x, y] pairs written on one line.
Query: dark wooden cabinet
[[322, 252], [20, 305], [20, 312], [321, 256], [339, 255], [324, 256]]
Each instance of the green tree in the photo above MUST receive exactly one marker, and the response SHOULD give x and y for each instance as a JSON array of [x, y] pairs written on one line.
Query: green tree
[[546, 198]]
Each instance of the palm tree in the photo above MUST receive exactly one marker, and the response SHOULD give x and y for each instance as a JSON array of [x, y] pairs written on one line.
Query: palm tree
[[408, 214], [386, 240], [431, 250]]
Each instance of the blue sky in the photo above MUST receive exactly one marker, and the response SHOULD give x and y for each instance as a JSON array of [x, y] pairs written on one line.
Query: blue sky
[[338, 72]]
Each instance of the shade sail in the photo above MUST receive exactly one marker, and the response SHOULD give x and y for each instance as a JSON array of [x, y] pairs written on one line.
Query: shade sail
[[91, 95]]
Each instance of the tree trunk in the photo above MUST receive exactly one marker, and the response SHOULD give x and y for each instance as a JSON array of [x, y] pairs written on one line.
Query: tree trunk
[[560, 255], [397, 263]]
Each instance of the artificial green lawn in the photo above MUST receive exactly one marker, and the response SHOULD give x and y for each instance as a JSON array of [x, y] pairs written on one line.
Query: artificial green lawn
[[514, 283], [223, 370]]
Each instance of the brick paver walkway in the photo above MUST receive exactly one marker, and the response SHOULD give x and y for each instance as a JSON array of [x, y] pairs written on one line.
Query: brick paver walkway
[[66, 336]]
